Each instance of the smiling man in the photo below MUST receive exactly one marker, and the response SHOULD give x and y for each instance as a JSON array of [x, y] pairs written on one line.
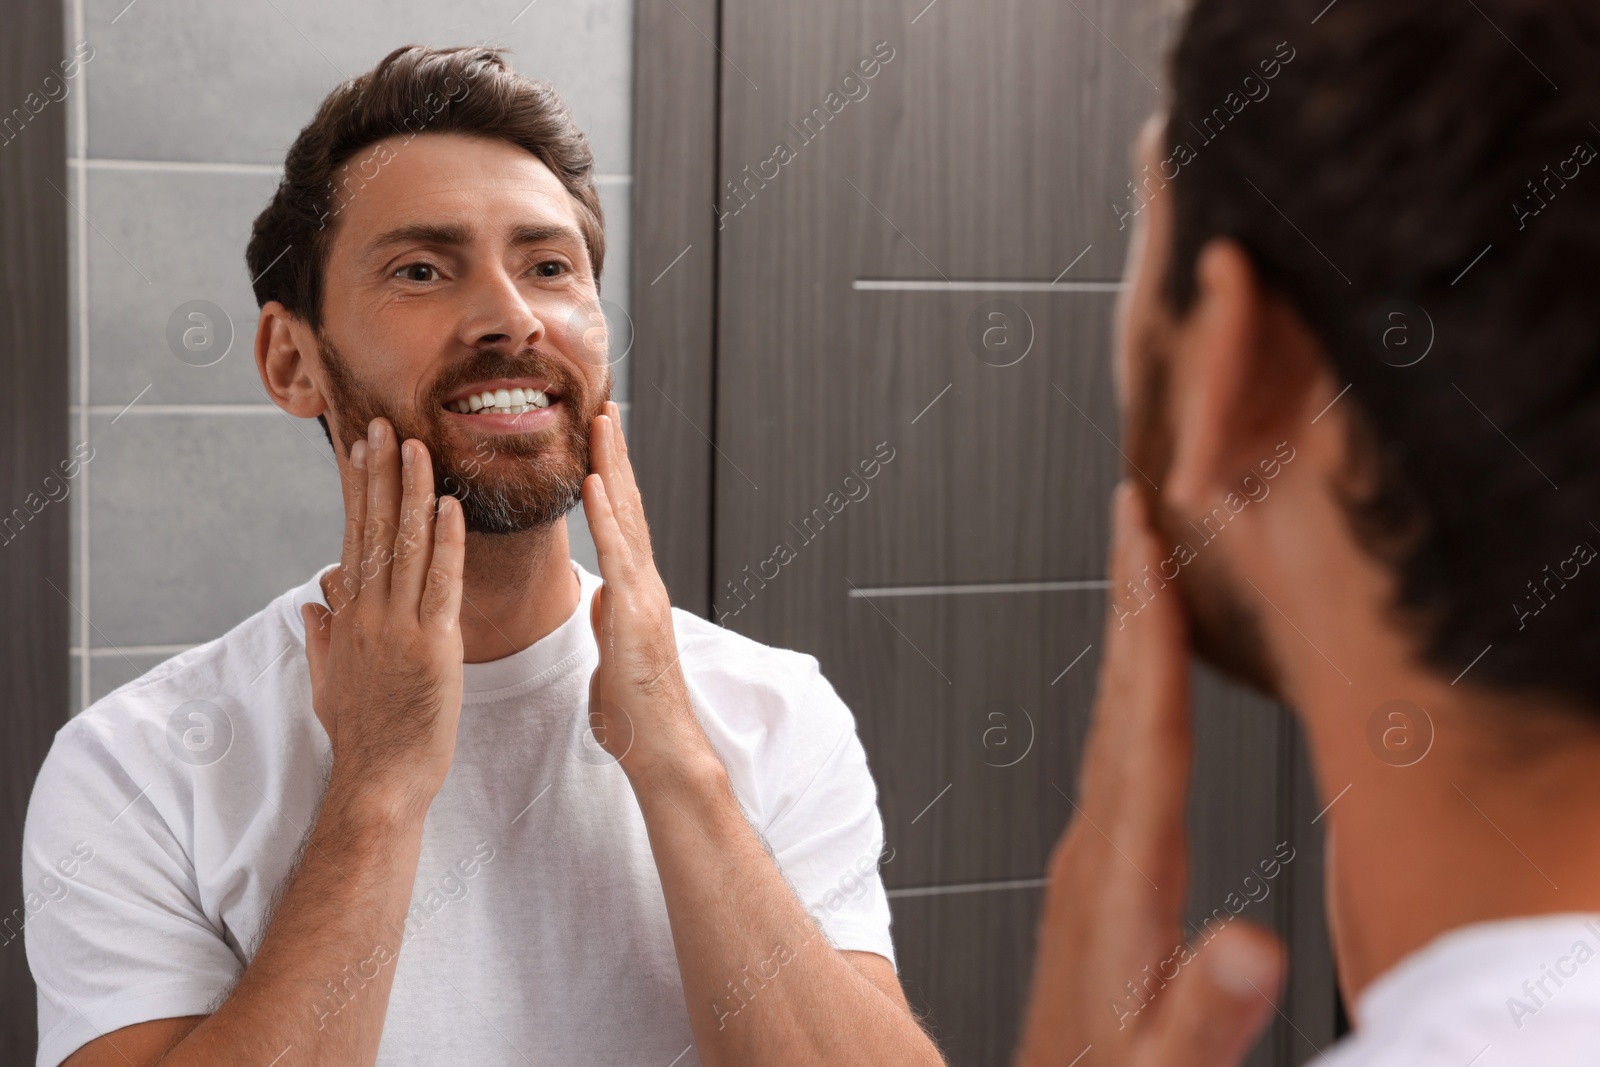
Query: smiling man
[[455, 799]]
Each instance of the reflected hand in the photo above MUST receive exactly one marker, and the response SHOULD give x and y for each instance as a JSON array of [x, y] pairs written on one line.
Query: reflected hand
[[386, 660], [1113, 911], [639, 707]]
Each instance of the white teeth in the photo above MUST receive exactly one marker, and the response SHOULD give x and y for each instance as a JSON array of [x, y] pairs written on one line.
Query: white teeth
[[502, 402]]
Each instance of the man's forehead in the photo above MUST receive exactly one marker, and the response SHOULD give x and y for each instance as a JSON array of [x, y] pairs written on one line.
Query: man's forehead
[[472, 185]]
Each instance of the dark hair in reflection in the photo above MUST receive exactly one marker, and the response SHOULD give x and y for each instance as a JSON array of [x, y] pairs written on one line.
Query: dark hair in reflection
[[1404, 139]]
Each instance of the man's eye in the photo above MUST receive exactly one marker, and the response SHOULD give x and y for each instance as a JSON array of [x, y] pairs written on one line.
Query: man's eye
[[417, 272], [550, 268]]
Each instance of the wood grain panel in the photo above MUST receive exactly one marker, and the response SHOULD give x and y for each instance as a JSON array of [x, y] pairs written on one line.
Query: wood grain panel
[[965, 961], [673, 284], [33, 350]]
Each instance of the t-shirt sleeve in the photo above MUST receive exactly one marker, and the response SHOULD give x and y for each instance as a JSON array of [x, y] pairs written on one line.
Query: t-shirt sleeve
[[828, 839], [114, 930]]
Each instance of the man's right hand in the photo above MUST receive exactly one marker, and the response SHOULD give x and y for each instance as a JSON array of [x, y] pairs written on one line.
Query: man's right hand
[[386, 661], [1112, 922]]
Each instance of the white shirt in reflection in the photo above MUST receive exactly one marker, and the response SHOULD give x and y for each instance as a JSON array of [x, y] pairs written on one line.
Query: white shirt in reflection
[[537, 934]]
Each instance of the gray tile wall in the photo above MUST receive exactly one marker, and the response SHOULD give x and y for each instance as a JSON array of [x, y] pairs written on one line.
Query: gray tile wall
[[202, 501]]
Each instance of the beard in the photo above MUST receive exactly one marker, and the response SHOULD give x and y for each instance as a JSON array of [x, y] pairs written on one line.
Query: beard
[[1224, 629], [505, 484]]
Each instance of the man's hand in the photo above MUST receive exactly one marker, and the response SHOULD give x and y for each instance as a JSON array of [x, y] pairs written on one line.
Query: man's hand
[[386, 661], [1113, 911], [639, 706]]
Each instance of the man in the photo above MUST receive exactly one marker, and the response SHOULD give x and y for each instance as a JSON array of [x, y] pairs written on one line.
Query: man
[[1368, 242], [455, 799]]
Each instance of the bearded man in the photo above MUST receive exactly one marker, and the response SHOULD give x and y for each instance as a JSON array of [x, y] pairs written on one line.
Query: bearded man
[[455, 799]]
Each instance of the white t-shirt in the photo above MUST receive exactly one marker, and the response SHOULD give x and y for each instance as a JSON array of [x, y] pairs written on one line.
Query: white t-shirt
[[1514, 993], [160, 827]]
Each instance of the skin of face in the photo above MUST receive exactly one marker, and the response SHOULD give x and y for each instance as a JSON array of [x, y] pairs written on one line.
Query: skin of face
[[459, 268]]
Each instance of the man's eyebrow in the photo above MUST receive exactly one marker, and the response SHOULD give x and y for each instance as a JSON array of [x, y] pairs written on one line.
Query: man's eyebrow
[[529, 234], [457, 234], [433, 233]]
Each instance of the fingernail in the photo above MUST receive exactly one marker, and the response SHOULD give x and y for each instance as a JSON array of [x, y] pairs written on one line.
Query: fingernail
[[358, 455], [407, 454], [1244, 967], [375, 434]]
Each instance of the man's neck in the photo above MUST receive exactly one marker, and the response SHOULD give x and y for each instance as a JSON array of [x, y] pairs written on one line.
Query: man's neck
[[1492, 822], [516, 589]]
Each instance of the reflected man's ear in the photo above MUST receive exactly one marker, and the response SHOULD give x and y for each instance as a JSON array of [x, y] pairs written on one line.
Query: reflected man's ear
[[1244, 369], [287, 362]]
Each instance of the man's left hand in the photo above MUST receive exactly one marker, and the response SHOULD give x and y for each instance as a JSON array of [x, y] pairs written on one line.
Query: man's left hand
[[639, 707]]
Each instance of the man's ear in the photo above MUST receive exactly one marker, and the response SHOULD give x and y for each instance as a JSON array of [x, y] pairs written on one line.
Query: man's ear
[[289, 372], [1242, 365]]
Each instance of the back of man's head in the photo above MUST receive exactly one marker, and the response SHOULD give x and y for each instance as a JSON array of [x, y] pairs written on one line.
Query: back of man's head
[[1424, 172]]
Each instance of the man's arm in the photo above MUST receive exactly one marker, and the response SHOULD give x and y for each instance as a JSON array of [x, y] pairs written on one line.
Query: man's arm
[[386, 680], [762, 983], [1113, 912]]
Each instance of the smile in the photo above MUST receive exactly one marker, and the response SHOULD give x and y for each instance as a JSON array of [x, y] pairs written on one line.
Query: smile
[[503, 397], [501, 402]]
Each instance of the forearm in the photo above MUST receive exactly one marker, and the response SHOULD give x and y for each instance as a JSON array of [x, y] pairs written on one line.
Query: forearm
[[762, 983], [318, 988]]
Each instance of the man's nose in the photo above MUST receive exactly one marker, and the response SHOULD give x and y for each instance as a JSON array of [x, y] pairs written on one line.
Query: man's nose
[[499, 315]]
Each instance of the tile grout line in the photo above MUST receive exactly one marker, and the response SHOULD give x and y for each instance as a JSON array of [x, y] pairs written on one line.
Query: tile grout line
[[196, 166]]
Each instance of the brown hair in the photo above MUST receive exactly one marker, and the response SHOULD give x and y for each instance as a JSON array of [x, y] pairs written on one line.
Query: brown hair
[[414, 89]]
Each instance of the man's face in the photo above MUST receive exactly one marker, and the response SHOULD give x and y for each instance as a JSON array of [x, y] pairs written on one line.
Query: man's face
[[1224, 625], [458, 278]]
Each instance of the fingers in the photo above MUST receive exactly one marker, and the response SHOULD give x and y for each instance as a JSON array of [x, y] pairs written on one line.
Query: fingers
[[1128, 849], [598, 614], [1136, 774], [1221, 1002], [440, 608], [413, 544], [353, 482], [614, 468], [319, 632], [382, 512], [611, 546]]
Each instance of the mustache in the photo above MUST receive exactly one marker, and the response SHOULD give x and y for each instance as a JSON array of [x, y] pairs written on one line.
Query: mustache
[[529, 362]]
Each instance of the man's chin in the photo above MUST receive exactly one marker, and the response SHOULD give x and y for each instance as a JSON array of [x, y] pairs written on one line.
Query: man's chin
[[516, 509]]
